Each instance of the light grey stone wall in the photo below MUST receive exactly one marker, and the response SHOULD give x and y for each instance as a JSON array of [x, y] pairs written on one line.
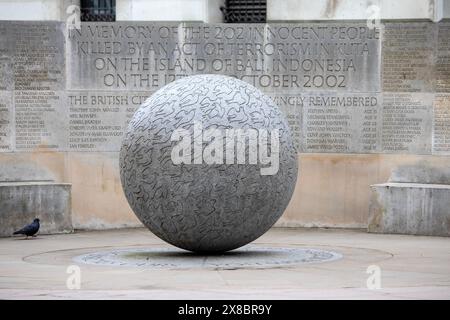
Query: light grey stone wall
[[410, 208], [343, 87], [21, 202], [33, 88], [128, 61], [66, 98]]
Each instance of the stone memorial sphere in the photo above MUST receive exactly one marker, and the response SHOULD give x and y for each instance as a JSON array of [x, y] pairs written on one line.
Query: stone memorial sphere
[[208, 163]]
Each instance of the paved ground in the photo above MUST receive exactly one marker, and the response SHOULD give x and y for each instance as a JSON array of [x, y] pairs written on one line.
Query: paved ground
[[411, 267]]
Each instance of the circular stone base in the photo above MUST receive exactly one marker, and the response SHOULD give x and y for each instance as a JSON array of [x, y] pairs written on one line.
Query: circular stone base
[[246, 257]]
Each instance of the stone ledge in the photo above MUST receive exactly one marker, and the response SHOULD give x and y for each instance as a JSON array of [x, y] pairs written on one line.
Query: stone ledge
[[410, 208], [23, 201], [412, 185]]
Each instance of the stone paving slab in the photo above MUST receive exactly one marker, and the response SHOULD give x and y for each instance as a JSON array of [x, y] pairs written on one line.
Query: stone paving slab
[[411, 267]]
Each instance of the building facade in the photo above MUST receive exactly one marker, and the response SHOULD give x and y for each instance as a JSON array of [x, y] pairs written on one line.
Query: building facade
[[389, 122]]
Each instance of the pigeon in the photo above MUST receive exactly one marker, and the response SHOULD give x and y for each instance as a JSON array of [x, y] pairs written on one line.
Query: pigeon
[[29, 230]]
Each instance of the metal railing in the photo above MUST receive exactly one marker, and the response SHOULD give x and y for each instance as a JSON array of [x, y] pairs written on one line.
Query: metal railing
[[244, 11], [98, 10]]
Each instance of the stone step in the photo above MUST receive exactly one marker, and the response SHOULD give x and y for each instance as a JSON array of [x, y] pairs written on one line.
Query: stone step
[[410, 208], [21, 202]]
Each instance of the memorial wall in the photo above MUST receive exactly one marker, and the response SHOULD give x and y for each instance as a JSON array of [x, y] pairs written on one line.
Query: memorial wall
[[361, 102]]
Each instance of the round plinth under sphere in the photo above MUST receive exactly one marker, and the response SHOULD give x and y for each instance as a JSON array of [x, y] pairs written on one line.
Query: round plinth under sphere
[[208, 163]]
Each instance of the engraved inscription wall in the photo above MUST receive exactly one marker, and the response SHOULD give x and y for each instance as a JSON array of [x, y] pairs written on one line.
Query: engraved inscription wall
[[292, 106], [285, 61], [6, 87], [40, 120], [98, 120], [32, 86], [5, 121], [407, 123], [441, 134], [443, 58], [146, 56], [343, 87], [408, 56], [345, 123]]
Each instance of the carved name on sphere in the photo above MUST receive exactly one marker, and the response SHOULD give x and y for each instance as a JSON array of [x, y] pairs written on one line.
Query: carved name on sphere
[[205, 204]]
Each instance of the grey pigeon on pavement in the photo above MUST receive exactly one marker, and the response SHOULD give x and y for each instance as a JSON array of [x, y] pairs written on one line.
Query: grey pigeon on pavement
[[30, 230]]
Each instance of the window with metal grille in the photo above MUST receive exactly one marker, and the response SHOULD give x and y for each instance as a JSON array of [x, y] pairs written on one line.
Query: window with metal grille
[[98, 10], [244, 11]]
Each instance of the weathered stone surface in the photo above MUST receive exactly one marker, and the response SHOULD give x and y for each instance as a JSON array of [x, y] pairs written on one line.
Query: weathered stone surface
[[441, 124], [21, 202], [38, 55], [407, 123], [38, 166], [110, 64], [292, 106], [6, 121], [40, 120], [92, 136], [32, 73], [206, 205], [408, 56], [422, 172], [273, 57], [340, 123], [409, 208], [6, 64], [442, 75], [98, 119]]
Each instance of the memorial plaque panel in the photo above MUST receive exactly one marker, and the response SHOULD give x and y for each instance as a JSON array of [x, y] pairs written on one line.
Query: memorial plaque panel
[[343, 123], [407, 123], [32, 65], [408, 56], [6, 87], [145, 56], [6, 73], [443, 58], [98, 120], [441, 127], [292, 107], [325, 77], [38, 55], [6, 121], [40, 120]]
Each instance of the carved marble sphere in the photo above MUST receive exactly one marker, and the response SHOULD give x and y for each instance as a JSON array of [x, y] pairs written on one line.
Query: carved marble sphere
[[205, 205]]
